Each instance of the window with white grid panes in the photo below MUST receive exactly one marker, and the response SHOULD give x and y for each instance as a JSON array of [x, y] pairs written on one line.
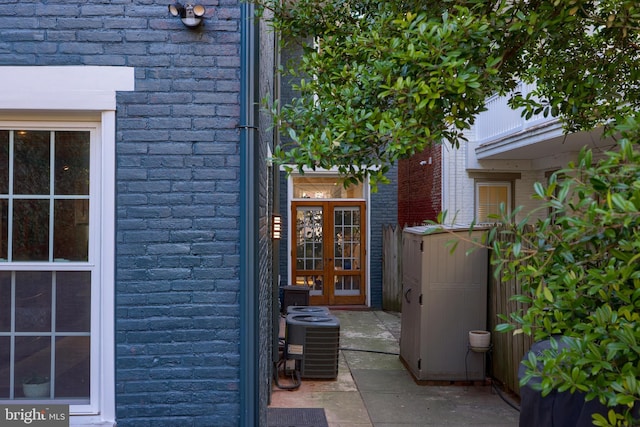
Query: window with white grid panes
[[46, 286]]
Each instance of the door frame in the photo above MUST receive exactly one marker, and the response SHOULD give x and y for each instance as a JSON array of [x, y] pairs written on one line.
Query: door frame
[[367, 220], [329, 269]]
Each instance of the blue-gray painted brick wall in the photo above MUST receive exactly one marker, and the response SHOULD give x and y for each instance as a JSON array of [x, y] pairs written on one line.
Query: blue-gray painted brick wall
[[268, 316], [386, 197], [177, 327]]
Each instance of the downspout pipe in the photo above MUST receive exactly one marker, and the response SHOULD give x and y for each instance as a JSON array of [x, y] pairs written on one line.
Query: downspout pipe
[[249, 318]]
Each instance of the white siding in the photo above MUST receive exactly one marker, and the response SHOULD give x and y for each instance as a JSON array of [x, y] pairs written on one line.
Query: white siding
[[457, 186]]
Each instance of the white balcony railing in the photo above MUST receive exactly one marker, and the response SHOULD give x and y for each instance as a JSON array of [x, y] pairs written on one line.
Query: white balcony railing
[[500, 121]]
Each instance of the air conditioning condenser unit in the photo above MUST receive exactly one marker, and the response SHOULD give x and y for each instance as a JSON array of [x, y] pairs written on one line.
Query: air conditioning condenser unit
[[313, 340]]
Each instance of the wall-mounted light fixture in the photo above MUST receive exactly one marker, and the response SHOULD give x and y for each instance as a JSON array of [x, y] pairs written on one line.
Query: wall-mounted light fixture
[[276, 227], [191, 15]]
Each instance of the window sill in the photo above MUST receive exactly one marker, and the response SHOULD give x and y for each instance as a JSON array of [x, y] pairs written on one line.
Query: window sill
[[89, 421]]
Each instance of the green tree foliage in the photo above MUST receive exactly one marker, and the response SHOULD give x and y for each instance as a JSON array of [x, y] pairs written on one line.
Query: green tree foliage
[[580, 275], [584, 56], [380, 81]]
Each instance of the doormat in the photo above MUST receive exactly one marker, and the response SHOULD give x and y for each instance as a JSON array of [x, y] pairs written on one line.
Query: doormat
[[296, 417]]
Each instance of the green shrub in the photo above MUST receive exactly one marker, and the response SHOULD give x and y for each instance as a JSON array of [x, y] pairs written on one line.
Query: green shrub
[[580, 275]]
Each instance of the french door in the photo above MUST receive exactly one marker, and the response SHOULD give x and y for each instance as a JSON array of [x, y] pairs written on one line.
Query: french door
[[328, 251]]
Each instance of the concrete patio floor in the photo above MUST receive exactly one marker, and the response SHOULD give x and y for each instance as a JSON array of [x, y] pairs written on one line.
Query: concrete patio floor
[[374, 388]]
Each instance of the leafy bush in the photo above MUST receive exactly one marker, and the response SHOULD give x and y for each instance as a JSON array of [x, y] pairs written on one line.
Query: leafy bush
[[580, 275]]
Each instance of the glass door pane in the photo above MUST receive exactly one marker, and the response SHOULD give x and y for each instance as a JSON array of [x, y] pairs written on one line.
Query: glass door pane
[[309, 243], [347, 251]]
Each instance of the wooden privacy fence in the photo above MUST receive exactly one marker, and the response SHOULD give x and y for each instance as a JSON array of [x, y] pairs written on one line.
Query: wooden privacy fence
[[392, 268], [508, 349]]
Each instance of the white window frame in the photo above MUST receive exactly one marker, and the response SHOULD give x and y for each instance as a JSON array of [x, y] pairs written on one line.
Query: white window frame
[[95, 248], [503, 184], [79, 97]]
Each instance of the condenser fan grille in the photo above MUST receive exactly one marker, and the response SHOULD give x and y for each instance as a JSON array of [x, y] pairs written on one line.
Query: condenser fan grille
[[320, 359], [314, 341]]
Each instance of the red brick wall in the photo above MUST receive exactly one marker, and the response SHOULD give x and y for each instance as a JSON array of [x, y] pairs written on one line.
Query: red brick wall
[[420, 187]]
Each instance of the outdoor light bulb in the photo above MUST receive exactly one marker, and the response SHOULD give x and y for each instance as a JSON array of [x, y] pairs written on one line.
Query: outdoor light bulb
[[199, 10], [175, 9]]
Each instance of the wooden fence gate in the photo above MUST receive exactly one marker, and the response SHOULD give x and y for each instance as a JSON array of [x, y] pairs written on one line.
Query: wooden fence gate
[[392, 268], [508, 349]]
